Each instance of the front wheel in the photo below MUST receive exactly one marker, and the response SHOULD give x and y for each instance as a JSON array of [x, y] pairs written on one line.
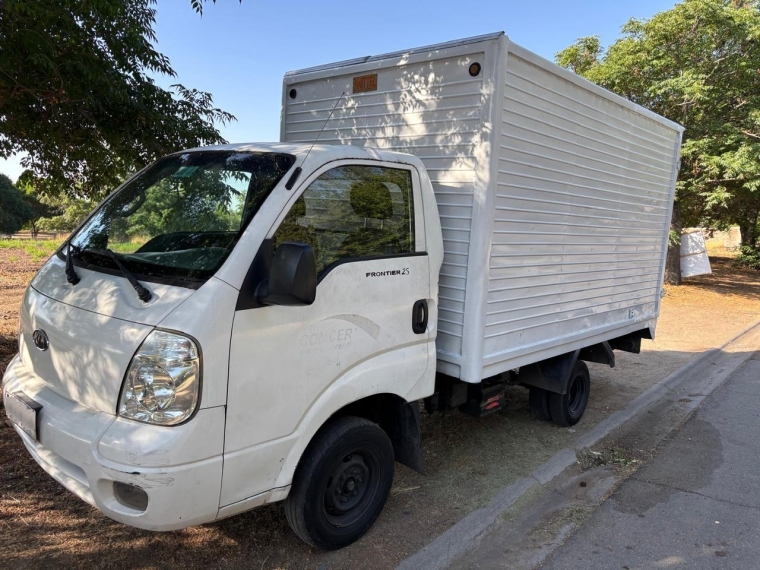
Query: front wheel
[[341, 484], [567, 409]]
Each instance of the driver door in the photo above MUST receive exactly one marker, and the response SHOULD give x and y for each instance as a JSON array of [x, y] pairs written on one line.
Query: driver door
[[290, 364]]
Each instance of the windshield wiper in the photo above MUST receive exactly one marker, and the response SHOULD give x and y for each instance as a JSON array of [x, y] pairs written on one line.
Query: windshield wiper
[[142, 292], [71, 274]]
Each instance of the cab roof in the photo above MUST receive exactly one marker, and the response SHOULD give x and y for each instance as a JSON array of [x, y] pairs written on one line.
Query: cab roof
[[319, 154]]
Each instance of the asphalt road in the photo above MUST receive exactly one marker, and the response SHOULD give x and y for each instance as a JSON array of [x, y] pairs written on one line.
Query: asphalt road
[[695, 505]]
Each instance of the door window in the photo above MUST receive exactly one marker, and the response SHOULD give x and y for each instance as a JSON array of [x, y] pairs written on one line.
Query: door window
[[353, 212]]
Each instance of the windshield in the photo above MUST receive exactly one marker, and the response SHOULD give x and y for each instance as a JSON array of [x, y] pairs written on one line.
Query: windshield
[[182, 216]]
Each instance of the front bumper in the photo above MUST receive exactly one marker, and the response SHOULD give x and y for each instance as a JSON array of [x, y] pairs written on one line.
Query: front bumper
[[179, 467]]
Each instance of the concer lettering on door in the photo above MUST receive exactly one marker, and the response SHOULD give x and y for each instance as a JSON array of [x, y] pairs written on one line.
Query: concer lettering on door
[[324, 337]]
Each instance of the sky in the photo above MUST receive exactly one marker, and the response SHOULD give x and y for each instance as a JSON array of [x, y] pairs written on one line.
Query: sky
[[239, 51]]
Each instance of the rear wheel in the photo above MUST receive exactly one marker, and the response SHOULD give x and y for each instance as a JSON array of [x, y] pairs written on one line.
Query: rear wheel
[[567, 409], [341, 484], [539, 403]]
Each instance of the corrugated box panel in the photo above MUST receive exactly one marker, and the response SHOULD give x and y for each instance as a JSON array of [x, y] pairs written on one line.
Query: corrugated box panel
[[570, 187], [431, 109], [581, 210]]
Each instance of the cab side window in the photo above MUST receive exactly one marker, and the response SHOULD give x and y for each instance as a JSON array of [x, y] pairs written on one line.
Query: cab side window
[[353, 212]]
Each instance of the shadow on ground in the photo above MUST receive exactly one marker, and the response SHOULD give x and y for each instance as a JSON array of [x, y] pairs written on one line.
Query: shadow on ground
[[723, 279]]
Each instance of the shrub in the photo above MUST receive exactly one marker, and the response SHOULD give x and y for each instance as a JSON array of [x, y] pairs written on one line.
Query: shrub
[[749, 257]]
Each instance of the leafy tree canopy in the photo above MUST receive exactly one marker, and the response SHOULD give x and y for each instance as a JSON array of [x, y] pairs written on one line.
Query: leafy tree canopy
[[69, 211], [40, 207], [77, 93], [15, 211], [697, 64]]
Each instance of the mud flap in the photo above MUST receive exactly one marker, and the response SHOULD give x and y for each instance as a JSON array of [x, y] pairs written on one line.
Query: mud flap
[[630, 342], [405, 435], [601, 353], [551, 374]]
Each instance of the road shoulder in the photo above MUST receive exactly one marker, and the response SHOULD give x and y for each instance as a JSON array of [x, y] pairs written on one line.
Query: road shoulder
[[518, 533], [695, 505]]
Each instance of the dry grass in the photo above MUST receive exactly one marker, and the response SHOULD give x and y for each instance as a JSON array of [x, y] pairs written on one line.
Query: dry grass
[[728, 285], [17, 267]]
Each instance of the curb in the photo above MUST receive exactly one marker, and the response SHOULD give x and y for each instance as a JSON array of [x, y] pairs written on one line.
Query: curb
[[446, 547]]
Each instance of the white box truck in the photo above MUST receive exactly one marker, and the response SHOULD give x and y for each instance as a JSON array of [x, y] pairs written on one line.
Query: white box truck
[[244, 324]]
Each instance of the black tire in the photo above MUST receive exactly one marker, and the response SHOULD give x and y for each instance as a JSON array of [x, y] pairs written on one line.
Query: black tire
[[567, 409], [539, 403], [341, 484]]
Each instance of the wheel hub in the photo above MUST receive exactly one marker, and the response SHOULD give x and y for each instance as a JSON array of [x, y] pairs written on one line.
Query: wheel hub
[[347, 487]]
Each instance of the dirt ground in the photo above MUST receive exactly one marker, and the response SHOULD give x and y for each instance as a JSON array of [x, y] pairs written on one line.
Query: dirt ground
[[467, 460]]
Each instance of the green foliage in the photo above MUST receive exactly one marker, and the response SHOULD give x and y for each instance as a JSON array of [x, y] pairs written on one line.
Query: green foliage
[[56, 212], [749, 257], [39, 211], [39, 207], [15, 210], [202, 201], [696, 64], [69, 211], [352, 211], [76, 93], [581, 56], [674, 238], [197, 5]]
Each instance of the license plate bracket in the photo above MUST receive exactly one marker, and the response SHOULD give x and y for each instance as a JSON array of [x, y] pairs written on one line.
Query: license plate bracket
[[23, 411]]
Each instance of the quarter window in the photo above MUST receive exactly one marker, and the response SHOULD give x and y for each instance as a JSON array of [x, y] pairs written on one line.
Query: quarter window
[[353, 212]]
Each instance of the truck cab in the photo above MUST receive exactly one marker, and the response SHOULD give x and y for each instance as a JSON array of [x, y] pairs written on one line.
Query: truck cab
[[233, 326]]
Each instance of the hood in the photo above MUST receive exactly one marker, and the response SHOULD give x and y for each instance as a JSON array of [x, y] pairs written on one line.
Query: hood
[[109, 295], [93, 330], [87, 354]]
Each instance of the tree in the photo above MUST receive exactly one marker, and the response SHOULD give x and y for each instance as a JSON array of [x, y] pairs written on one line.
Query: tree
[[15, 211], [77, 93], [203, 201], [39, 211], [71, 211], [39, 207], [581, 56], [696, 64]]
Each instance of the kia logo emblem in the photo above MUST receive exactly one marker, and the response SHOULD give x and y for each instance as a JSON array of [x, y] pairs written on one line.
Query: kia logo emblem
[[40, 339]]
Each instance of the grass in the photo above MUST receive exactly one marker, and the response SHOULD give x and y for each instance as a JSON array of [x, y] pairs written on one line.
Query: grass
[[37, 249], [42, 249], [125, 246]]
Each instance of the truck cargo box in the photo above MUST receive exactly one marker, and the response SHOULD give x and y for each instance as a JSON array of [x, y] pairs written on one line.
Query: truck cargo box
[[554, 194]]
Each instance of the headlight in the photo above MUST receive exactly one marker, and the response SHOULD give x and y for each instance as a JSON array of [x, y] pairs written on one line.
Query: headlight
[[162, 381]]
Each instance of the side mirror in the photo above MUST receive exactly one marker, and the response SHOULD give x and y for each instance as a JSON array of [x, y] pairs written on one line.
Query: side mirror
[[292, 277]]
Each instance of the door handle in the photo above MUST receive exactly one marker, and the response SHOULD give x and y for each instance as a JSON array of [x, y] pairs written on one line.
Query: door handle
[[420, 316]]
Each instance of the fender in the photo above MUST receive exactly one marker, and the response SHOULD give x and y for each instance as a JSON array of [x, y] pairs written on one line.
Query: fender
[[553, 374], [379, 375]]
